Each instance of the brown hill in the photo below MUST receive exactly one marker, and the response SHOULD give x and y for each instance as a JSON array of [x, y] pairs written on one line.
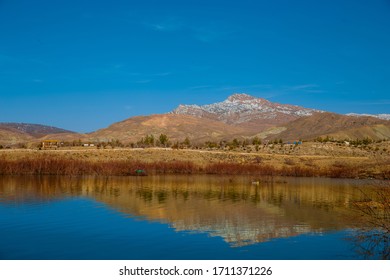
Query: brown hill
[[374, 132], [176, 127], [335, 125], [34, 130], [14, 133], [12, 136], [65, 137]]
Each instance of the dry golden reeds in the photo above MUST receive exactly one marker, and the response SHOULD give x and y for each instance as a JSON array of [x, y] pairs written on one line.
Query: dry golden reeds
[[48, 165]]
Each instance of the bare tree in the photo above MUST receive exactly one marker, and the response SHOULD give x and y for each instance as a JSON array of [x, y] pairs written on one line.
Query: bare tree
[[373, 238]]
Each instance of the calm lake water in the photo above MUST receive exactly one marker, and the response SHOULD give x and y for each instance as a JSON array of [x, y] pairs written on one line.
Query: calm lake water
[[189, 217]]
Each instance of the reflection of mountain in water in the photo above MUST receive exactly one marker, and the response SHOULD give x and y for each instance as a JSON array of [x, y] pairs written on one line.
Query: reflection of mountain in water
[[230, 207]]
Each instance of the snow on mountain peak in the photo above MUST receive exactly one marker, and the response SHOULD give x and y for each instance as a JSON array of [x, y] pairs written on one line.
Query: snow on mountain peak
[[241, 107]]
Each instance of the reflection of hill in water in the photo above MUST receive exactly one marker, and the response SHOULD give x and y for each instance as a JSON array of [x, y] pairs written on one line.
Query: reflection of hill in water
[[230, 207]]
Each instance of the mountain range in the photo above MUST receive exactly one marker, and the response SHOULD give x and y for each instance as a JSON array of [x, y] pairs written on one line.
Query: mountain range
[[239, 116]]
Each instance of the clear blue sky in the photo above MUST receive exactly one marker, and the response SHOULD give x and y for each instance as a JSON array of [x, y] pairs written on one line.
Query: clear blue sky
[[82, 65]]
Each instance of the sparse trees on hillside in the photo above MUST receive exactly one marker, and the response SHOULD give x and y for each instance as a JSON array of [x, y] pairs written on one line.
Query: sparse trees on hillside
[[147, 141], [211, 145], [115, 143]]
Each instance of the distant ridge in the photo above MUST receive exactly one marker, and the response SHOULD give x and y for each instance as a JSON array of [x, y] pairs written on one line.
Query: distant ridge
[[13, 133], [35, 130], [336, 126], [379, 116]]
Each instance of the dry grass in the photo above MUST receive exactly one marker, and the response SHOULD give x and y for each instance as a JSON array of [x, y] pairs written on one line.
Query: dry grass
[[46, 165], [305, 162], [153, 161]]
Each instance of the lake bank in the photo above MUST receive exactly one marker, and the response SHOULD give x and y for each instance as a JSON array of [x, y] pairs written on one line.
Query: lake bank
[[124, 162]]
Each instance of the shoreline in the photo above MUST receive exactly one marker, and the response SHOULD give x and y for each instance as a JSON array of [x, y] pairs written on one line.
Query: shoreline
[[125, 162]]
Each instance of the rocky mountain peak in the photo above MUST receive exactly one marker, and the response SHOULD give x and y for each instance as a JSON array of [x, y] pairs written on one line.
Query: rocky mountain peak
[[237, 97], [243, 108]]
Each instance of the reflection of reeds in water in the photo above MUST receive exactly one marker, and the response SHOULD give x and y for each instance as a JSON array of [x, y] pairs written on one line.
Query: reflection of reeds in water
[[374, 212], [49, 165]]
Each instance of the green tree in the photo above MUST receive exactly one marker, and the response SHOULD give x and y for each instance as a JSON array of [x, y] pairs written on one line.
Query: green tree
[[163, 139], [116, 143], [187, 142], [211, 145], [149, 140], [236, 143], [256, 141], [366, 141]]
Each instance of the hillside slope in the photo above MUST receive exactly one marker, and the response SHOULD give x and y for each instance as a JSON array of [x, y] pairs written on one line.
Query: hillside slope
[[11, 136], [337, 126], [14, 133], [34, 130], [177, 127]]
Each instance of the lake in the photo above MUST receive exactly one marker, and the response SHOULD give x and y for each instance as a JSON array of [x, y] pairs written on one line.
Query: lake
[[192, 217]]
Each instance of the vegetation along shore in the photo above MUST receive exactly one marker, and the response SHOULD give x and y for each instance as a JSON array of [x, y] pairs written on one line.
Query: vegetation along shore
[[307, 159]]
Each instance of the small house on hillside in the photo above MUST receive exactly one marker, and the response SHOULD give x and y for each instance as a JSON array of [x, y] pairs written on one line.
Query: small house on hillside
[[50, 144]]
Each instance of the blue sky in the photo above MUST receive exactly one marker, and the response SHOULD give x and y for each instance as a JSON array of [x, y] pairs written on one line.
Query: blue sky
[[82, 65]]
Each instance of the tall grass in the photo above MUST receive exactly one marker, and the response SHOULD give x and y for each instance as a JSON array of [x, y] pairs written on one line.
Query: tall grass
[[47, 165], [44, 165]]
